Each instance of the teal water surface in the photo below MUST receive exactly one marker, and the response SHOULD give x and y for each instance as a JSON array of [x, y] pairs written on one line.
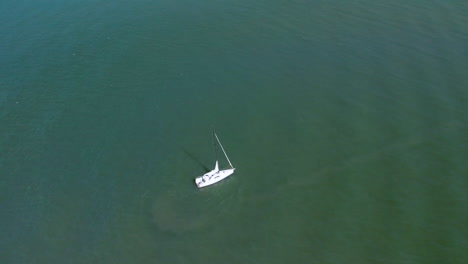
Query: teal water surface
[[346, 122]]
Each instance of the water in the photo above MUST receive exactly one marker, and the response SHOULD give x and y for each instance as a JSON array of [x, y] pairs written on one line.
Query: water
[[346, 120]]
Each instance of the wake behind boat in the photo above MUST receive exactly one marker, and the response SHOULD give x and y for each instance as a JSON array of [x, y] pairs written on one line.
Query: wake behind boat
[[215, 175]]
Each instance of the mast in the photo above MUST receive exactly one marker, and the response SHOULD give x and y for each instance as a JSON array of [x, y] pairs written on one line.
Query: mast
[[222, 149]]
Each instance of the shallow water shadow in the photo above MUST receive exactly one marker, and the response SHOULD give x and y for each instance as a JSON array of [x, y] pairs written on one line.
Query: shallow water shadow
[[192, 157], [178, 212]]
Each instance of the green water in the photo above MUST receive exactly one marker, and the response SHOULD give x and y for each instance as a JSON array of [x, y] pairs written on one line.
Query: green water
[[346, 120]]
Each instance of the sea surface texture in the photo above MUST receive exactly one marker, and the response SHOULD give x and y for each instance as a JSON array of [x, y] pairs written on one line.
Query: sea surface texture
[[347, 122]]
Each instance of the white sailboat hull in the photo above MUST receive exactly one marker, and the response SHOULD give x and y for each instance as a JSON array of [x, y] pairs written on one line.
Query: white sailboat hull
[[213, 176]]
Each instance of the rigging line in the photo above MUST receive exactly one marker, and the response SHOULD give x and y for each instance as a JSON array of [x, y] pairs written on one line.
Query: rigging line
[[214, 145], [223, 150]]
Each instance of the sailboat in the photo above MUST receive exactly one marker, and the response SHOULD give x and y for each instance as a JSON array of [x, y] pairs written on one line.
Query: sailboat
[[215, 175]]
